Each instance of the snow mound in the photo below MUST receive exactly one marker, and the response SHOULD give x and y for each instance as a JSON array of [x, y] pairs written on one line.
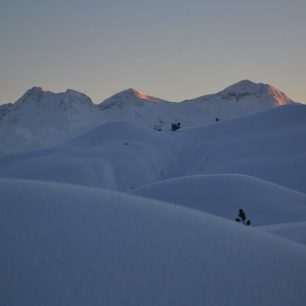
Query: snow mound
[[295, 231], [117, 155], [225, 194], [66, 245], [115, 131], [269, 145]]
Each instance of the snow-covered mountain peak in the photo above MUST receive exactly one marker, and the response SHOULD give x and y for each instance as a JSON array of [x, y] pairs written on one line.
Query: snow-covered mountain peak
[[265, 92], [133, 92], [37, 96], [242, 86], [128, 97], [141, 95], [42, 118], [33, 94], [73, 97]]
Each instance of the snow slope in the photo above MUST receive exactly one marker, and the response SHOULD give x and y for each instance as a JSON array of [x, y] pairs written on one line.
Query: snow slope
[[295, 231], [270, 145], [70, 245], [224, 194], [116, 155], [42, 118]]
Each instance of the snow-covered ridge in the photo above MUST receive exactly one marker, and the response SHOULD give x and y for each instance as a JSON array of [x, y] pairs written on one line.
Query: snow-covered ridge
[[240, 99], [246, 88], [270, 145], [38, 95], [42, 118]]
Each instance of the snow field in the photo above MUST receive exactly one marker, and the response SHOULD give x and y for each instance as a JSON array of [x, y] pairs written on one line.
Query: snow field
[[71, 245]]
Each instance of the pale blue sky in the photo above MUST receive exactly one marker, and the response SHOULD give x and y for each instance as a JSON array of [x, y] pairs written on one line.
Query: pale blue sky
[[171, 49]]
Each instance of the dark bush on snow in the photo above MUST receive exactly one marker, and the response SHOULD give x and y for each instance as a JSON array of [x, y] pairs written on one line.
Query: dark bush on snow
[[242, 218], [175, 126]]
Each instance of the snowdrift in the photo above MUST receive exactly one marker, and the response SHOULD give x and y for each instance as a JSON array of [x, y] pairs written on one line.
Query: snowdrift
[[71, 245], [295, 231], [225, 194], [117, 155], [269, 145]]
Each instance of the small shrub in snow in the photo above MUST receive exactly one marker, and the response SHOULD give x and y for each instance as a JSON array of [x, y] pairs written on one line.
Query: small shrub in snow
[[242, 217], [175, 126]]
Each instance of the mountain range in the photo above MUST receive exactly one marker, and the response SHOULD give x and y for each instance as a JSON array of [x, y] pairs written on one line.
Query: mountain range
[[122, 210], [43, 118]]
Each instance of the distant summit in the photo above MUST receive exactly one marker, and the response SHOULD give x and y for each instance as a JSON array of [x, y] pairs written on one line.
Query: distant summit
[[42, 118], [247, 91], [248, 88], [127, 97], [37, 94], [33, 95]]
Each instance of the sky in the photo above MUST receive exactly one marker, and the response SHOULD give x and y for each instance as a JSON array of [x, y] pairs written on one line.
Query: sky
[[171, 49]]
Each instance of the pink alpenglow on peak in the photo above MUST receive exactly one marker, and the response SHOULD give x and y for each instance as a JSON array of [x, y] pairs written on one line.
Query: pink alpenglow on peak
[[140, 94], [279, 96]]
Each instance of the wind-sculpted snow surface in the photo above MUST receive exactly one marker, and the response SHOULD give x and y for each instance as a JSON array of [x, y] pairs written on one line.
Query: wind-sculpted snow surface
[[270, 145], [225, 194], [117, 155], [71, 245], [295, 231]]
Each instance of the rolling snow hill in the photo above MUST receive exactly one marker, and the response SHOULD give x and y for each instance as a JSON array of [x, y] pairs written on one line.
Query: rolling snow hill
[[70, 236], [294, 231], [224, 194], [269, 145], [69, 245], [42, 118]]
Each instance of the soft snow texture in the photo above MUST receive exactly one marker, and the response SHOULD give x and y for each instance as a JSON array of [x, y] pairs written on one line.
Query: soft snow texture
[[295, 231], [65, 245], [76, 245], [225, 194], [270, 145]]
